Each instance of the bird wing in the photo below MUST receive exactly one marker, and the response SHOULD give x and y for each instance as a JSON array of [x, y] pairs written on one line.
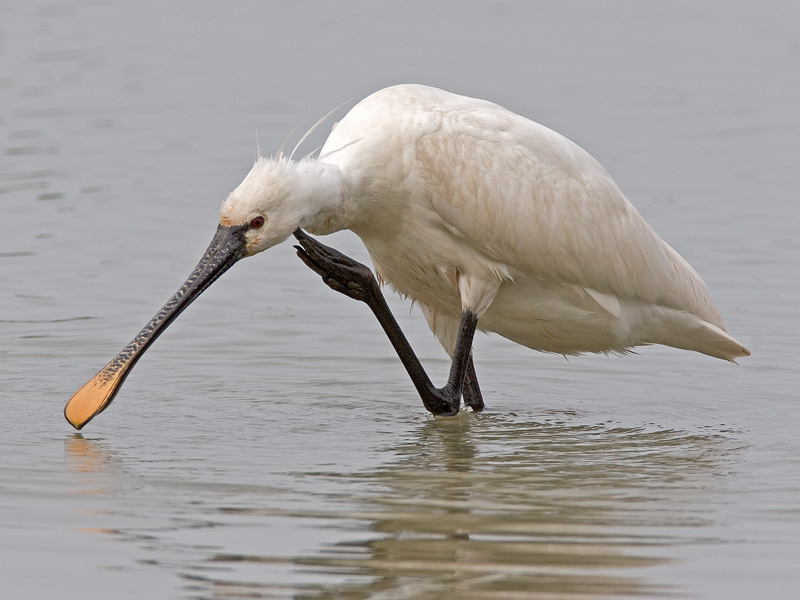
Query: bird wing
[[527, 197]]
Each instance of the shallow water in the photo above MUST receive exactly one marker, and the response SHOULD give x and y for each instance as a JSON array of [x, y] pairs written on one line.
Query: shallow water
[[269, 445]]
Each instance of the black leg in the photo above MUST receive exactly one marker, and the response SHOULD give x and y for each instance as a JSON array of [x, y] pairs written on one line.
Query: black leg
[[351, 278], [472, 392]]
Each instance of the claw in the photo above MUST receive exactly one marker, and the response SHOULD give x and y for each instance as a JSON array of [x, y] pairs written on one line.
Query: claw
[[338, 271]]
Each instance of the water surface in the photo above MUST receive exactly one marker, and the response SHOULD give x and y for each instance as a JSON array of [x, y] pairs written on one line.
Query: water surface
[[269, 445]]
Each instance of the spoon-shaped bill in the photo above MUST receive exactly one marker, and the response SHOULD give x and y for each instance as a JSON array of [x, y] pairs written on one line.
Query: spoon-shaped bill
[[227, 247]]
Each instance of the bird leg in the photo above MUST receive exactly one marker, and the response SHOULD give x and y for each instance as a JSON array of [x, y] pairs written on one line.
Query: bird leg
[[472, 392], [353, 279]]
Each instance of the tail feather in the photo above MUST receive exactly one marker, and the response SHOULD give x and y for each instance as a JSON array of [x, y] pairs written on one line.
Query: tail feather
[[690, 332]]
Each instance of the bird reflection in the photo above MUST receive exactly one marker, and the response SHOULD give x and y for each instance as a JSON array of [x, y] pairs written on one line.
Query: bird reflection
[[476, 506], [89, 462]]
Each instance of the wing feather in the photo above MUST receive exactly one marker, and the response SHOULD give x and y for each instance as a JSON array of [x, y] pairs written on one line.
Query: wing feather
[[523, 195]]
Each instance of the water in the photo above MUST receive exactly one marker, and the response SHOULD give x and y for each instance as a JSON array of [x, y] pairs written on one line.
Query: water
[[269, 445]]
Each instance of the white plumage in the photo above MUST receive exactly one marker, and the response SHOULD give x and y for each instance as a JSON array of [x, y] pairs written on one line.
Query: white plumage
[[482, 217], [464, 205]]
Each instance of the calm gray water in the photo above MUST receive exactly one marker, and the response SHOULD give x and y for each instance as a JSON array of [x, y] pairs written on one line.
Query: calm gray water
[[269, 445]]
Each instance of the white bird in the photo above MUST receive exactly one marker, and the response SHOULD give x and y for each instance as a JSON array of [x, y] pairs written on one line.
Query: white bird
[[482, 217]]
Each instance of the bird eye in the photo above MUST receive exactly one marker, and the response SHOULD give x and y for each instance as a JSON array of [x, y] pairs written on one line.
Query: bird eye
[[257, 222]]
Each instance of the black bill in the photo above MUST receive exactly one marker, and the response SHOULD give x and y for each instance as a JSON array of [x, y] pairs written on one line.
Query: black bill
[[227, 247]]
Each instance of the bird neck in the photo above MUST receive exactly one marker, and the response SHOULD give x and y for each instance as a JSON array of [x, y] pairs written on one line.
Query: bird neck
[[322, 189]]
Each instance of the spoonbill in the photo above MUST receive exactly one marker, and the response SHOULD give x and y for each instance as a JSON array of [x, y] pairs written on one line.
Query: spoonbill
[[483, 218]]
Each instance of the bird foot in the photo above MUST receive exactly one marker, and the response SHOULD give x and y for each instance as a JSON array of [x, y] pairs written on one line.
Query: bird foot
[[476, 404], [339, 272], [442, 402]]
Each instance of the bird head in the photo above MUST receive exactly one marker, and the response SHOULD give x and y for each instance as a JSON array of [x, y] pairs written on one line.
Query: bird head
[[276, 197]]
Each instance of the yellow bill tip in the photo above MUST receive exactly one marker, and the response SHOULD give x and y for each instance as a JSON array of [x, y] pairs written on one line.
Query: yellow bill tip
[[93, 397]]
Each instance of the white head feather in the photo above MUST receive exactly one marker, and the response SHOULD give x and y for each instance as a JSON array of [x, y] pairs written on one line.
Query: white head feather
[[287, 194]]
